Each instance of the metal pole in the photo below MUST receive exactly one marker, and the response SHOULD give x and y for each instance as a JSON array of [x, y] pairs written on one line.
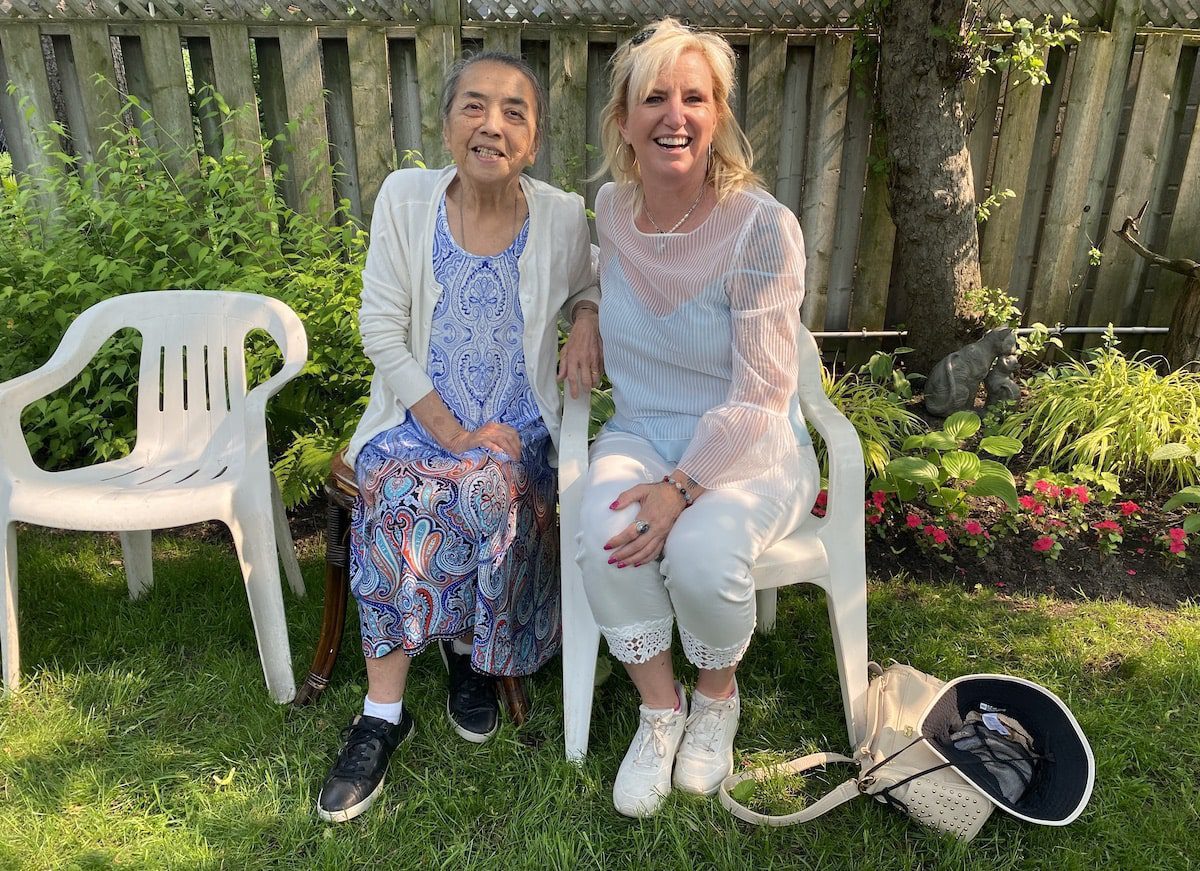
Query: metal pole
[[1023, 331]]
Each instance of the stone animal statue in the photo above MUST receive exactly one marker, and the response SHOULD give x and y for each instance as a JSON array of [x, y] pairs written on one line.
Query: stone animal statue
[[999, 382], [955, 380]]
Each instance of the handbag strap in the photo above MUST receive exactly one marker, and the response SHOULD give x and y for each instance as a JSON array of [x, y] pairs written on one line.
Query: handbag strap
[[837, 796]]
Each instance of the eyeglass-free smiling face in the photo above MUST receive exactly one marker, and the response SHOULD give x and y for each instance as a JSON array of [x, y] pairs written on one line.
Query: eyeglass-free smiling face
[[491, 129], [671, 129]]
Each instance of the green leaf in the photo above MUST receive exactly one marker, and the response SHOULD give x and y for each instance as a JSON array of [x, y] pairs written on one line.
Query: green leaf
[[940, 441], [1185, 496], [1191, 524], [744, 791], [962, 425], [961, 464], [1174, 451], [995, 485], [914, 469], [913, 442], [992, 469], [1000, 446]]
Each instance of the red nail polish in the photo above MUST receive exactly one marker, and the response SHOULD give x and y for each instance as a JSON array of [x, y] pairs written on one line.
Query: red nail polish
[[612, 560], [620, 565], [608, 547], [614, 505]]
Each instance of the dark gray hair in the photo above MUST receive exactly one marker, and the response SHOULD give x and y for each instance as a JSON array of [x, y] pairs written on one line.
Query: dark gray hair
[[454, 77]]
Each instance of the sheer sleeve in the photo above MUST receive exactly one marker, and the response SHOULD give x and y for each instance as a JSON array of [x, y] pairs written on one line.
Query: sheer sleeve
[[747, 441]]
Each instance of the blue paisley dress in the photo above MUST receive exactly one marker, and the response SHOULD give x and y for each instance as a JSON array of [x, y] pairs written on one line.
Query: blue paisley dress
[[443, 544]]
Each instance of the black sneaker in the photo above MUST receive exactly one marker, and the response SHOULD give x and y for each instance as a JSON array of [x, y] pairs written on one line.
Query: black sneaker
[[356, 778], [471, 702]]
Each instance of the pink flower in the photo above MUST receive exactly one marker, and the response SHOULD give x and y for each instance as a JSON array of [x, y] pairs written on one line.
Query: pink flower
[[1128, 508], [1039, 509], [1108, 526], [1054, 491], [928, 530], [1177, 547], [1027, 502], [1067, 492], [913, 521], [1131, 572], [1141, 550], [1001, 584], [940, 535], [1055, 524], [972, 527], [1177, 533], [879, 498], [1043, 544], [1081, 493], [874, 519], [1041, 485]]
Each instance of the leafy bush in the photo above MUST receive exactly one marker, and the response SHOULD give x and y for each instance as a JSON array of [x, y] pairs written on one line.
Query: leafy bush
[[123, 224], [1112, 413], [879, 414]]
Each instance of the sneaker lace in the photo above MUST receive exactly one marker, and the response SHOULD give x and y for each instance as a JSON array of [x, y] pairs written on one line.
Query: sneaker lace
[[652, 736], [476, 690], [362, 742], [704, 726]]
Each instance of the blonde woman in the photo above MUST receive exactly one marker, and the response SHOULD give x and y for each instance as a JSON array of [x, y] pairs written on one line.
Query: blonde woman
[[706, 461]]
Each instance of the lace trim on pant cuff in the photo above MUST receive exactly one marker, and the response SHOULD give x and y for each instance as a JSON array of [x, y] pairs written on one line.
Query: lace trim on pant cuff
[[703, 656], [638, 642]]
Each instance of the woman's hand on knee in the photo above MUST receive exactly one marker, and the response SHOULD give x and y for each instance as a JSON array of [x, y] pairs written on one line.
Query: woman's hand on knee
[[495, 437], [644, 539]]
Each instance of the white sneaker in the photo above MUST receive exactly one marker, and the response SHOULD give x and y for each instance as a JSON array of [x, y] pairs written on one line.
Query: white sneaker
[[644, 778], [705, 757]]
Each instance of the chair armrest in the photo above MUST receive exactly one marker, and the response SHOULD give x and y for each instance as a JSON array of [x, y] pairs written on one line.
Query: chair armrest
[[573, 440], [83, 338], [847, 474]]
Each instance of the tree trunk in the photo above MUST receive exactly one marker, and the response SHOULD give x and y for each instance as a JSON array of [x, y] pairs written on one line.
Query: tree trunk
[[936, 257], [1183, 342]]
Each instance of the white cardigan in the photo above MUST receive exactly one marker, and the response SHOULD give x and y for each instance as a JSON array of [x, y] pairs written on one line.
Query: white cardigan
[[557, 270]]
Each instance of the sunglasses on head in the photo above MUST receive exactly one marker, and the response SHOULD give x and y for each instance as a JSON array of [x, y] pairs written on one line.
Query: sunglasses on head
[[643, 35]]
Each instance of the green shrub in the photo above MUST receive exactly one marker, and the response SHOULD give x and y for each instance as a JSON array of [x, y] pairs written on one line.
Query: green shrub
[[878, 413], [123, 224], [1111, 413]]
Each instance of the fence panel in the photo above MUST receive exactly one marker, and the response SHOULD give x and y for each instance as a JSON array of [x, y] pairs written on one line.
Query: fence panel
[[359, 82]]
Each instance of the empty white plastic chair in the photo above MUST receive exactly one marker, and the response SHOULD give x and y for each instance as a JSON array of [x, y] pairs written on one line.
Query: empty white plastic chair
[[200, 454], [828, 551]]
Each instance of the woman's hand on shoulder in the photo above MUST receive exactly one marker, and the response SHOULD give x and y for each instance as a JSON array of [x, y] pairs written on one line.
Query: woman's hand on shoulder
[[582, 360], [660, 506], [498, 438]]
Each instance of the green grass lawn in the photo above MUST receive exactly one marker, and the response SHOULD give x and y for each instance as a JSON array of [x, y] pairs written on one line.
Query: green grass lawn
[[143, 737]]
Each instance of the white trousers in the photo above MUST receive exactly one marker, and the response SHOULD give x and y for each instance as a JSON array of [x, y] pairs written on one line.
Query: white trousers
[[704, 578]]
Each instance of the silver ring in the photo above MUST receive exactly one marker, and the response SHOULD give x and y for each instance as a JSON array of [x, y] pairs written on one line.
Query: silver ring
[[641, 527]]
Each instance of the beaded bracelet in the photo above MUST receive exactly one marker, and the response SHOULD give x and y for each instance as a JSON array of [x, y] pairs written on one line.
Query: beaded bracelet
[[687, 497]]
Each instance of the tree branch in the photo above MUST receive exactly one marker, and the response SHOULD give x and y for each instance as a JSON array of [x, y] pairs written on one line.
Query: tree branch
[[1128, 232]]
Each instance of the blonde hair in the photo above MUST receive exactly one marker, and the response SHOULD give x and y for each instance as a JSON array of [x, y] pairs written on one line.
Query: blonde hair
[[632, 72]]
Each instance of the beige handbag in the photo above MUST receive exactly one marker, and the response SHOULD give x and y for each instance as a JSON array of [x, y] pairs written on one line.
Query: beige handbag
[[896, 766]]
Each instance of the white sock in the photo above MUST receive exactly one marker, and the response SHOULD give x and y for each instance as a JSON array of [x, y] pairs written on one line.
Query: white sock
[[389, 711], [462, 648]]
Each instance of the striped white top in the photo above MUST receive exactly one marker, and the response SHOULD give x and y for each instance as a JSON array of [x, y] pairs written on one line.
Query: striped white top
[[700, 334]]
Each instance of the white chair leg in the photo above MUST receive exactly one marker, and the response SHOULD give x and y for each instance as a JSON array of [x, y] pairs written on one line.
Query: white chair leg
[[139, 562], [766, 602], [283, 541], [10, 648], [848, 621], [253, 534], [581, 639]]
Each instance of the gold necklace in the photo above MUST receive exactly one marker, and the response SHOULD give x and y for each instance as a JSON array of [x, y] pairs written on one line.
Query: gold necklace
[[686, 215]]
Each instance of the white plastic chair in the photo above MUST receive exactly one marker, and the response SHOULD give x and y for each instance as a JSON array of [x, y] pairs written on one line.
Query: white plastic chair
[[828, 552], [201, 452]]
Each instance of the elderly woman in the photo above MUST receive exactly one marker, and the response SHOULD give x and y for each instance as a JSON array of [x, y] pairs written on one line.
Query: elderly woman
[[453, 539], [707, 461]]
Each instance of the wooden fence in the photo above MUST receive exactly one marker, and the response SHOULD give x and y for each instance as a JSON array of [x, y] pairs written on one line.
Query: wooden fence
[[1116, 126]]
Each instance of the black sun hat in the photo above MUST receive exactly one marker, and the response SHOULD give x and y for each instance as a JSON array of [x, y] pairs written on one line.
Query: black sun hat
[[1024, 722]]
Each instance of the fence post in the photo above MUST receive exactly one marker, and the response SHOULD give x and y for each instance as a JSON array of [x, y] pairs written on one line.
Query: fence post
[[568, 107], [438, 46], [768, 63], [21, 62]]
